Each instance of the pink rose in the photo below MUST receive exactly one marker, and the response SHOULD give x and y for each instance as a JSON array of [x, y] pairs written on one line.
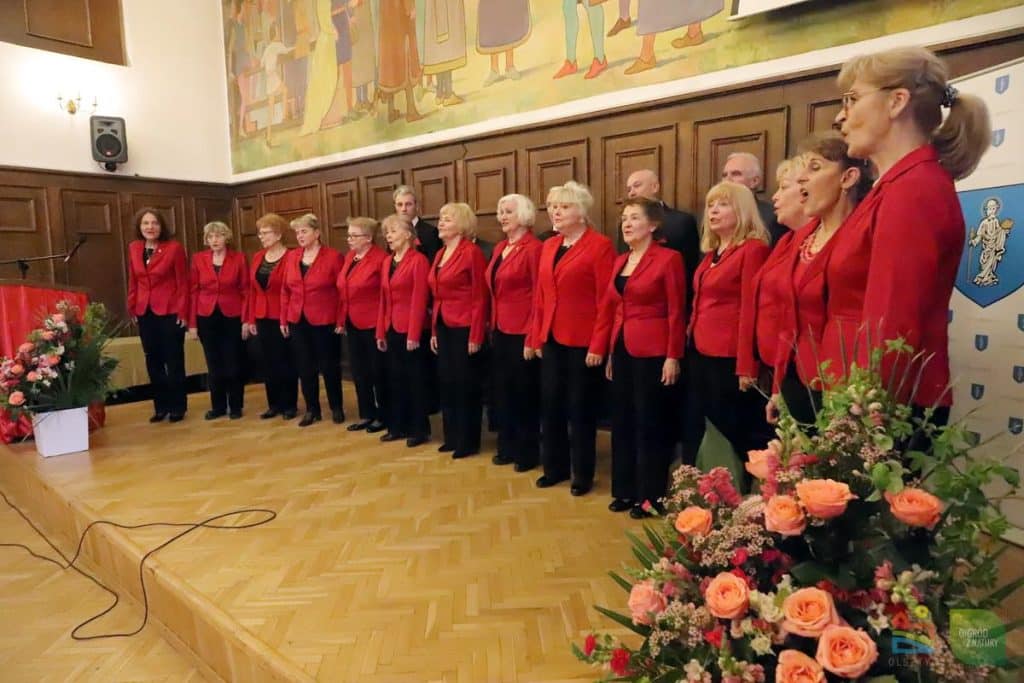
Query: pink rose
[[26, 348], [727, 596], [808, 612], [846, 652], [796, 667], [915, 507], [646, 600], [16, 398], [17, 369], [32, 376], [824, 498], [783, 515], [48, 335]]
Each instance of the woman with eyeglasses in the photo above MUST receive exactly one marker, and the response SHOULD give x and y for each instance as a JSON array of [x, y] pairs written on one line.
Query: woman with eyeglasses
[[892, 270], [359, 285]]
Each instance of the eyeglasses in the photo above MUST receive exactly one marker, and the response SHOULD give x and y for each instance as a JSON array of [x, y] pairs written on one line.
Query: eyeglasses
[[354, 236], [851, 97]]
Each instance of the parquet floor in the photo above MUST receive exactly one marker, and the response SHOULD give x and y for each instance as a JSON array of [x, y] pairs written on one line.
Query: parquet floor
[[41, 604], [384, 563]]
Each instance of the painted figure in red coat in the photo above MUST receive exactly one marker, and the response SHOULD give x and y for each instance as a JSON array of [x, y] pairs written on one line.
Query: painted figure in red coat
[[892, 269]]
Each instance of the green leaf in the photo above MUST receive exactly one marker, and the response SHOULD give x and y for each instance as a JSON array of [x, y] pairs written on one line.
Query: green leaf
[[641, 551], [624, 621], [1001, 594], [626, 585], [659, 545]]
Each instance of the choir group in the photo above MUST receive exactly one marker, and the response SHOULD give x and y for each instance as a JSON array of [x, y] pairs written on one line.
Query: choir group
[[863, 247]]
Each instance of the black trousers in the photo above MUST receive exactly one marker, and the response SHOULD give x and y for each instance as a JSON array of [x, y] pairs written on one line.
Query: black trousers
[[317, 352], [369, 372], [516, 390], [408, 396], [221, 338], [279, 376], [642, 430], [460, 382], [569, 409], [714, 394], [163, 343], [803, 403]]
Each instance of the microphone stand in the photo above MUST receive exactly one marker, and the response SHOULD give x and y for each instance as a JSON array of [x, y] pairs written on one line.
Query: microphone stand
[[23, 263]]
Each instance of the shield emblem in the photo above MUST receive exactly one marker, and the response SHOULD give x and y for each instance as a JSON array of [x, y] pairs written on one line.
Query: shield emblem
[[1018, 374], [1015, 425], [977, 391], [949, 315], [981, 341], [1002, 84], [998, 136]]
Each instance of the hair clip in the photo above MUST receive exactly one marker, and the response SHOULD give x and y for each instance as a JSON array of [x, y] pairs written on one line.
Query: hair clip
[[949, 96]]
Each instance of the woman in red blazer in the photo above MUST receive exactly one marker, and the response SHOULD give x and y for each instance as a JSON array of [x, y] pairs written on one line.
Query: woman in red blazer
[[263, 319], [309, 314], [220, 286], [359, 284], [401, 319], [736, 243], [574, 269], [158, 302], [512, 278], [892, 269], [642, 325], [459, 328], [832, 184]]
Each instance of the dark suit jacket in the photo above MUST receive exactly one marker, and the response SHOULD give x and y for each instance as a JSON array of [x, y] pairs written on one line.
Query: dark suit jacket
[[427, 241], [775, 229]]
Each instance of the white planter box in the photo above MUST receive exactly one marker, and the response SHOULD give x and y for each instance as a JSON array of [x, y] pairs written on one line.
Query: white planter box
[[61, 431]]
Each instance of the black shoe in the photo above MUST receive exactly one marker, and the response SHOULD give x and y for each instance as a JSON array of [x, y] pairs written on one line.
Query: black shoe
[[621, 505], [502, 459], [338, 416], [523, 467], [445, 448], [289, 414], [269, 414], [176, 417], [414, 441], [639, 513], [580, 489], [359, 426], [376, 426], [157, 417], [235, 415], [214, 414], [545, 481], [308, 419], [458, 455], [390, 436]]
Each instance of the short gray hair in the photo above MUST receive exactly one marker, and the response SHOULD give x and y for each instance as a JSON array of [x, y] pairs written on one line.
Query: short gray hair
[[752, 158], [217, 228], [573, 193], [526, 212], [306, 220], [403, 190]]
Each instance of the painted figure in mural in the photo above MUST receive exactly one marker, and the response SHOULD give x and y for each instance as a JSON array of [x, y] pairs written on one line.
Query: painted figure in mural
[[444, 45], [341, 19], [275, 85], [623, 22], [323, 71], [595, 17], [364, 56], [656, 16], [399, 56], [991, 234], [297, 31], [241, 62], [502, 26]]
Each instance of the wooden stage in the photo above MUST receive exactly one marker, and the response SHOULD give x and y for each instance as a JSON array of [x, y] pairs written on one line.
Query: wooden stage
[[384, 563]]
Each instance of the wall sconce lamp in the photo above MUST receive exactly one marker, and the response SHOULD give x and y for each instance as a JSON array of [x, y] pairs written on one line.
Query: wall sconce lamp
[[71, 105]]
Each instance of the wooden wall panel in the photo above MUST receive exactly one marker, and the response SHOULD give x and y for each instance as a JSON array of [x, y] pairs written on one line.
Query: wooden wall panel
[[486, 179], [821, 115], [377, 192], [342, 203], [247, 211], [555, 164], [24, 231], [171, 206], [207, 210], [653, 150], [101, 263], [434, 186], [91, 29], [293, 202]]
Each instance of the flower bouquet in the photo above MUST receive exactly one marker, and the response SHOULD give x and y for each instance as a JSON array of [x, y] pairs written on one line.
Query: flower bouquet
[[860, 558], [62, 366]]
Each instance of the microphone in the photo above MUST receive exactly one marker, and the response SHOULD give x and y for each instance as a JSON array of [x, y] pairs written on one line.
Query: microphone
[[74, 249]]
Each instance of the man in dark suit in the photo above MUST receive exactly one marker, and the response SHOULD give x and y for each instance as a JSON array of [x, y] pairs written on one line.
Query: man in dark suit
[[406, 204], [745, 168], [679, 230]]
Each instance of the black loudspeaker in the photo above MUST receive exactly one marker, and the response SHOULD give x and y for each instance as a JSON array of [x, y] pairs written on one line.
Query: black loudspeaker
[[109, 144]]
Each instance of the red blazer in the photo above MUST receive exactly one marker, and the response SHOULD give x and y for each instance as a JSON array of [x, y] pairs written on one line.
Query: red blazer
[[568, 294], [316, 294], [264, 304], [227, 290], [718, 297], [763, 309], [161, 285], [512, 287], [892, 271], [650, 313], [460, 291], [403, 296], [359, 289]]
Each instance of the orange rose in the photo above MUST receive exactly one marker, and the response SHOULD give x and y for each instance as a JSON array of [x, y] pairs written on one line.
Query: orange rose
[[915, 507], [727, 596], [809, 611], [646, 600], [16, 398], [796, 667], [761, 463], [694, 521], [783, 515], [824, 498], [846, 652]]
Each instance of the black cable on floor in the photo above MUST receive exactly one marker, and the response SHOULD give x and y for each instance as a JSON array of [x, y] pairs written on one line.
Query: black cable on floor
[[208, 523]]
